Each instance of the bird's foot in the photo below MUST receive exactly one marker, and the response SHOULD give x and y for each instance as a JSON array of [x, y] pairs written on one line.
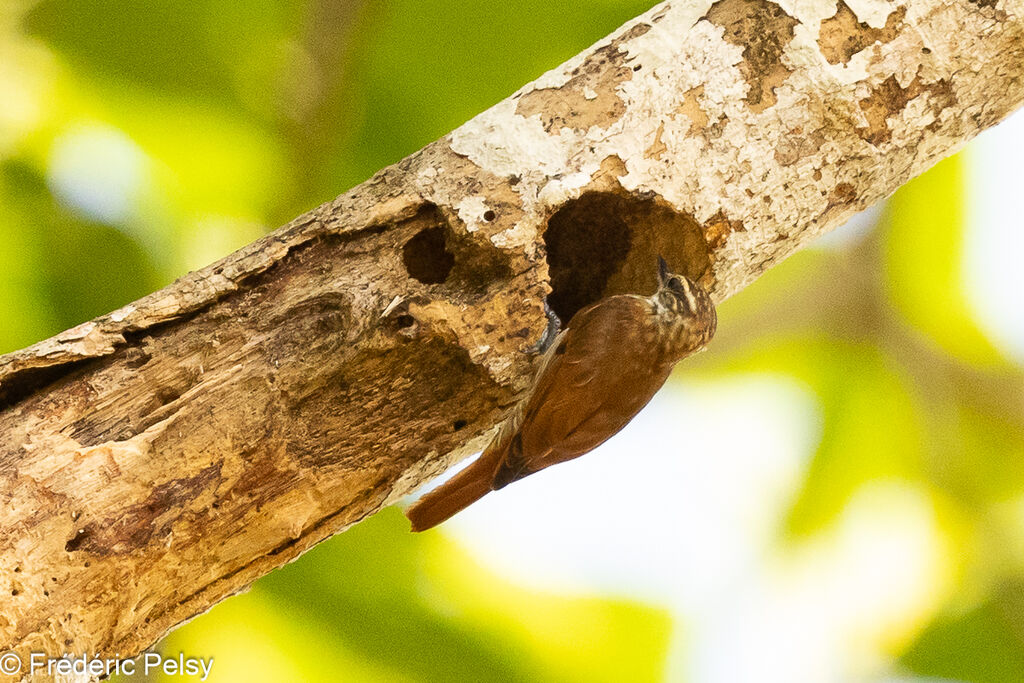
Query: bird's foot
[[553, 328]]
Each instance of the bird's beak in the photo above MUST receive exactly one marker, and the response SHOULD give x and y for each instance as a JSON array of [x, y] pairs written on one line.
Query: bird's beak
[[663, 273]]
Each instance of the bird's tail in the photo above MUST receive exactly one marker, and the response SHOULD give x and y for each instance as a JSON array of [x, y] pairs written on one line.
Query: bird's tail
[[456, 494]]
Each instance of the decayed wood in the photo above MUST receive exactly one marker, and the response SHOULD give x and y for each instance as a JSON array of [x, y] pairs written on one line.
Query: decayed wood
[[162, 457]]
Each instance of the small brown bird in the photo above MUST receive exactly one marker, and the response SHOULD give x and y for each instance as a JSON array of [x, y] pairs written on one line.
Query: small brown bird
[[594, 378]]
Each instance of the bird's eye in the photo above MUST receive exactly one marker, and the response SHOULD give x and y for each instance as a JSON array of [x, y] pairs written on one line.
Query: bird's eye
[[674, 283]]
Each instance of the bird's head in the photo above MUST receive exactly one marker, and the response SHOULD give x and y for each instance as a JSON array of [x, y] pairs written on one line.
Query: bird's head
[[680, 296]]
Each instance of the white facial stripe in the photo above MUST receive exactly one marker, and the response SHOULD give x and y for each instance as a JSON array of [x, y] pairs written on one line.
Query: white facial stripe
[[691, 301]]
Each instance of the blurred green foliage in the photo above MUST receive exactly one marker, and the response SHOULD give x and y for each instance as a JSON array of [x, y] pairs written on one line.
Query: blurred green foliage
[[379, 603], [981, 644], [910, 391], [139, 140]]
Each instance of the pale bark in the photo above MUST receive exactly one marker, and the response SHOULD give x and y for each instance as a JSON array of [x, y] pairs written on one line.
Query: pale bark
[[164, 456]]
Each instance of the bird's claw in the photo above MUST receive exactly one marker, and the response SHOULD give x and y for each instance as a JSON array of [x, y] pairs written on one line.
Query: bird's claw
[[553, 328]]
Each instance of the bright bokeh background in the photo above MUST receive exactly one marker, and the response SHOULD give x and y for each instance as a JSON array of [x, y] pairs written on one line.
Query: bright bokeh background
[[834, 492]]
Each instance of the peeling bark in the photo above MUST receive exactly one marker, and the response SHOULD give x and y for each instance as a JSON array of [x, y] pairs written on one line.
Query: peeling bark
[[162, 457]]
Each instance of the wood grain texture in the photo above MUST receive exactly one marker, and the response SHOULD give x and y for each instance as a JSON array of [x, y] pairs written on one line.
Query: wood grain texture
[[162, 457]]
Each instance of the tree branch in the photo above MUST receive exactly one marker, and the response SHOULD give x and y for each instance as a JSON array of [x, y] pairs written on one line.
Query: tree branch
[[164, 456]]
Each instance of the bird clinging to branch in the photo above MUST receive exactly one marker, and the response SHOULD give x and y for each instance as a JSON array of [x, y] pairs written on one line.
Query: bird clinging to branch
[[593, 379]]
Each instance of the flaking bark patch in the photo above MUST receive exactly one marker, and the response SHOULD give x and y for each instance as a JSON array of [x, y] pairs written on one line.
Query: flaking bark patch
[[134, 527], [718, 229], [842, 35], [590, 97], [658, 146], [888, 99], [989, 5], [763, 29], [690, 107], [799, 144], [843, 193]]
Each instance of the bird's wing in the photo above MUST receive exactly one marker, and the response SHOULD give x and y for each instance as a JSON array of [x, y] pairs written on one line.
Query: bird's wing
[[596, 376]]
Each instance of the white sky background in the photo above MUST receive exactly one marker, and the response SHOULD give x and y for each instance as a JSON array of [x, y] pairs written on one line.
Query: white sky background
[[993, 275], [668, 513]]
